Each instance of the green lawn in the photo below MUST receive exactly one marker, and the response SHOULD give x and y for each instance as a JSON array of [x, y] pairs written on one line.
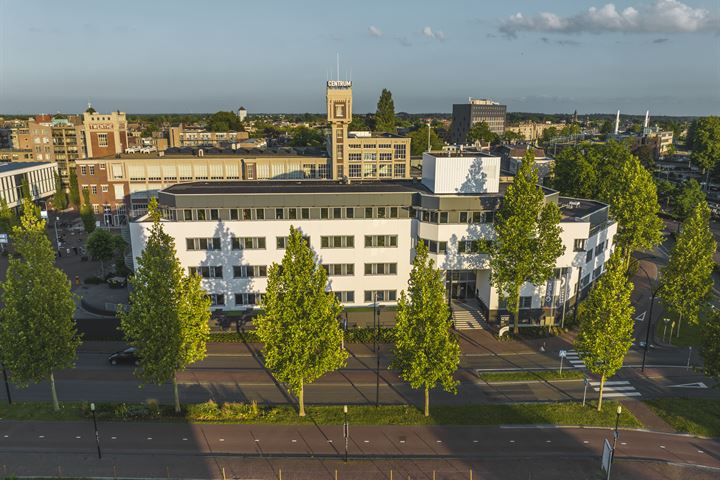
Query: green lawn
[[525, 375], [690, 334], [690, 415], [209, 412]]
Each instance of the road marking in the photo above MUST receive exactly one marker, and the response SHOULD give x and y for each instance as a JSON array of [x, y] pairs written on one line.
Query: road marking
[[293, 440], [6, 436], [475, 441], [77, 436], [257, 439], [330, 441], [41, 436], [222, 439], [585, 441], [623, 443], [115, 438], [512, 441], [548, 441], [624, 394], [366, 441], [402, 441], [609, 383], [149, 438], [641, 317], [438, 441], [700, 451], [616, 388], [690, 385], [662, 446]]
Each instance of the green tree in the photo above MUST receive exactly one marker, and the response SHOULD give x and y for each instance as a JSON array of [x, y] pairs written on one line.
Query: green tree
[[25, 190], [606, 323], [169, 314], [8, 219], [632, 196], [512, 137], [37, 331], [419, 140], [299, 327], [527, 237], [86, 213], [480, 132], [606, 127], [103, 245], [646, 155], [307, 137], [385, 114], [575, 174], [704, 140], [686, 280], [426, 352], [359, 124], [60, 198], [74, 189], [224, 122], [710, 347], [549, 133], [689, 197]]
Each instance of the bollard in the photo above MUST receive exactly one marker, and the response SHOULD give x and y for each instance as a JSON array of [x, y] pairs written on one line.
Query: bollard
[[471, 474], [336, 474], [59, 471], [391, 475], [279, 473], [167, 472], [115, 472], [433, 474], [223, 473]]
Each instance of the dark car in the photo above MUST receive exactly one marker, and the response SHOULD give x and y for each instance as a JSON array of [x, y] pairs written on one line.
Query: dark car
[[129, 355]]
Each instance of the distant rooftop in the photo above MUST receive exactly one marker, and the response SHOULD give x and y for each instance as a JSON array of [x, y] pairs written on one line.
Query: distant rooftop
[[296, 187], [11, 166], [185, 152], [364, 134], [579, 208]]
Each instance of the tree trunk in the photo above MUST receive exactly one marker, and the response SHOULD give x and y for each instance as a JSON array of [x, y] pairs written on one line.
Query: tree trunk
[[176, 395], [301, 399], [427, 401], [600, 398], [678, 329], [516, 319], [56, 404]]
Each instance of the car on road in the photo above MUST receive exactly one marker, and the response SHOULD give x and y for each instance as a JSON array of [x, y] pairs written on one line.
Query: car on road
[[129, 355]]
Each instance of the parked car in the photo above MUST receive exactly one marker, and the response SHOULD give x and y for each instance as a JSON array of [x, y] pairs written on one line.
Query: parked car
[[132, 150], [129, 355], [147, 149]]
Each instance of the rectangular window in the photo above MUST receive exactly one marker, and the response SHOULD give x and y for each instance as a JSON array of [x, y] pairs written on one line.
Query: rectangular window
[[380, 295], [187, 215], [339, 269], [525, 303], [207, 271], [279, 214], [292, 213], [597, 272], [92, 169], [104, 188], [259, 214], [102, 139], [579, 245], [381, 241], [355, 171], [337, 241], [248, 243], [368, 212], [381, 269], [585, 280], [249, 271], [214, 214], [345, 296], [201, 214], [393, 212], [589, 256], [93, 189], [399, 171], [443, 217], [203, 243], [599, 249], [83, 170], [246, 214], [217, 299], [355, 157], [248, 298], [400, 151], [381, 212], [464, 217], [305, 213], [350, 212], [324, 212], [337, 212], [234, 214], [281, 242]]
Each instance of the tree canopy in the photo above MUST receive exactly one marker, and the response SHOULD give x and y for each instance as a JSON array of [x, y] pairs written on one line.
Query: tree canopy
[[606, 323], [37, 332], [224, 122], [704, 140], [307, 137], [103, 245], [527, 242], [689, 196], [86, 212], [419, 140], [169, 312], [480, 132], [426, 352], [385, 114], [299, 327], [74, 189]]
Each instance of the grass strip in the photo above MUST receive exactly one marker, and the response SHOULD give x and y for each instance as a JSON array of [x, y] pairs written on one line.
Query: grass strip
[[566, 413], [539, 375], [698, 416]]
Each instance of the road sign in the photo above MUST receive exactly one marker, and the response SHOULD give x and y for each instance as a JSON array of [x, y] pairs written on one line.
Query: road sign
[[3, 238], [690, 385], [563, 353], [606, 456], [641, 317]]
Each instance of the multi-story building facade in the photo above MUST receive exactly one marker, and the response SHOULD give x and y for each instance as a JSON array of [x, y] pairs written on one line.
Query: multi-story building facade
[[533, 131], [40, 177], [365, 155], [365, 234], [465, 115], [68, 143], [184, 136], [37, 137], [120, 186], [105, 133], [12, 155]]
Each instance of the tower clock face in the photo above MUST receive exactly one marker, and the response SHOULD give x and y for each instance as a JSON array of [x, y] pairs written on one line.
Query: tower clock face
[[339, 110]]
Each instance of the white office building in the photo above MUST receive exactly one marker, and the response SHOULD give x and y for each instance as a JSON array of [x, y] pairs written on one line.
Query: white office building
[[365, 234], [40, 177]]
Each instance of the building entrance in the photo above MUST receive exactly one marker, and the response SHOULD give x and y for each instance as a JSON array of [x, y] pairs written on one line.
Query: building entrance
[[460, 283]]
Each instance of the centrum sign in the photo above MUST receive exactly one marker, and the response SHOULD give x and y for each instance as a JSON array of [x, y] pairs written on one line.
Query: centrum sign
[[339, 83]]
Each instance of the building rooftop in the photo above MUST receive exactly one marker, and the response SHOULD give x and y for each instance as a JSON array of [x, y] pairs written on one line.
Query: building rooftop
[[295, 187], [579, 208], [465, 153], [188, 152], [373, 135], [11, 166]]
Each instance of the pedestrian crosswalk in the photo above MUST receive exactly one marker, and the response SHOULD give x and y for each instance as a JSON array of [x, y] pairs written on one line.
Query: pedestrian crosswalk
[[573, 359], [616, 388]]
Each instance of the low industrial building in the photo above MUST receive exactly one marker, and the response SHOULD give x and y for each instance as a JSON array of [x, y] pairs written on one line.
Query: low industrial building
[[365, 234]]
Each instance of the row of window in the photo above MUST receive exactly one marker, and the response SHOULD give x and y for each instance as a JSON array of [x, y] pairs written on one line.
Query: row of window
[[203, 214], [345, 296], [333, 269], [434, 216]]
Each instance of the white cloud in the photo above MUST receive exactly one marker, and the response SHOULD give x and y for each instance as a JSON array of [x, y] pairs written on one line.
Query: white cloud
[[436, 34], [375, 31], [662, 16]]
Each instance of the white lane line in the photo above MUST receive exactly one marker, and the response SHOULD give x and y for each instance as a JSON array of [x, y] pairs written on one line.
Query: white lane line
[[623, 443], [616, 389], [293, 440], [548, 441], [6, 436], [585, 441], [438, 441], [222, 439], [113, 438], [614, 382], [475, 441], [700, 451], [185, 439], [41, 436], [77, 436], [628, 394], [512, 441], [149, 438], [257, 439], [662, 446]]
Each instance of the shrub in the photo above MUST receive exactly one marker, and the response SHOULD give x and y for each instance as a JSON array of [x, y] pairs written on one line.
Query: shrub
[[207, 411]]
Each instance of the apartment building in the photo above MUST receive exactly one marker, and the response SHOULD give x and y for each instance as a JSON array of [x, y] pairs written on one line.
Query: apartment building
[[105, 133], [187, 136], [36, 137], [68, 144], [465, 115], [365, 235], [361, 155], [533, 131], [40, 177], [121, 186]]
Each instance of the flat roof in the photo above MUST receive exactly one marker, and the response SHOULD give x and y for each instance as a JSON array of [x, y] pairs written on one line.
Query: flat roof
[[578, 207], [295, 187], [374, 135], [461, 154], [223, 152], [10, 166]]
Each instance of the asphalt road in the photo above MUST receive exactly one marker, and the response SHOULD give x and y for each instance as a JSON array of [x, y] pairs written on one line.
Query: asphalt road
[[137, 447]]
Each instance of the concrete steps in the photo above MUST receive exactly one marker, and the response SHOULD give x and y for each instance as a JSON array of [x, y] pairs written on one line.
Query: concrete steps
[[467, 316]]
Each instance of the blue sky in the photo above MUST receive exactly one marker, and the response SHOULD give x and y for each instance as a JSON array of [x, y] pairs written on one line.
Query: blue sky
[[274, 56]]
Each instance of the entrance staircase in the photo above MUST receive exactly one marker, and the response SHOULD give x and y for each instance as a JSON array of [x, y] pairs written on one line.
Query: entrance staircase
[[125, 234], [467, 315]]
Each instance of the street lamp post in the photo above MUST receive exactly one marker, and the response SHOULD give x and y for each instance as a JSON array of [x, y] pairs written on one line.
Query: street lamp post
[[615, 435], [97, 435], [346, 431], [650, 317], [586, 381], [7, 385], [376, 313]]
